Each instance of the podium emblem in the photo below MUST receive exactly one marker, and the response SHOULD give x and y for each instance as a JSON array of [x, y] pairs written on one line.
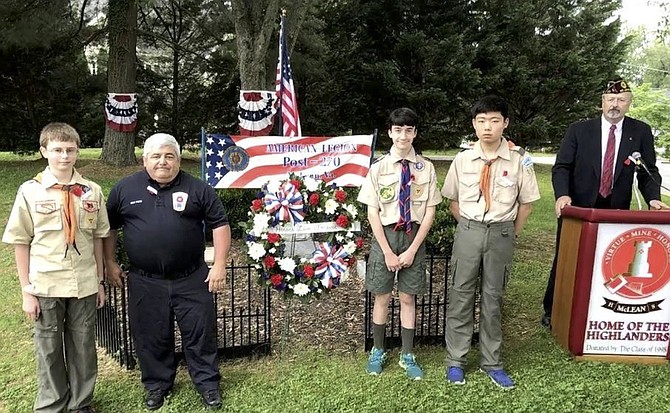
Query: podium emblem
[[636, 263]]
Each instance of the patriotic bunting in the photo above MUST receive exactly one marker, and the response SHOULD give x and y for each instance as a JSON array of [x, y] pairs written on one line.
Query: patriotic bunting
[[256, 113], [121, 111]]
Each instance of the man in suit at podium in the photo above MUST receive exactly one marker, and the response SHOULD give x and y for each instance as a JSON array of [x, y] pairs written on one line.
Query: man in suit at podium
[[595, 165]]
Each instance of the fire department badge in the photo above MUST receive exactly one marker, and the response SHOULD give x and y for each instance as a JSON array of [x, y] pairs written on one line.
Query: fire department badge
[[179, 201]]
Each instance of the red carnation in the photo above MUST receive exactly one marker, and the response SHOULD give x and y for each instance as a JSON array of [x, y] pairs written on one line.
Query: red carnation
[[256, 205], [342, 221], [296, 183], [313, 199], [269, 261], [359, 242], [273, 237], [277, 279], [340, 195], [309, 271]]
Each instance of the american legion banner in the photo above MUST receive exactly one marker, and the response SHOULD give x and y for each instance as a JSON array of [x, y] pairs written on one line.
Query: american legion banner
[[629, 311], [251, 161]]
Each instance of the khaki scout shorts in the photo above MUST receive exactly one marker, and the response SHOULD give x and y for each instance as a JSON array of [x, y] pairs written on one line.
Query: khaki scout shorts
[[411, 280]]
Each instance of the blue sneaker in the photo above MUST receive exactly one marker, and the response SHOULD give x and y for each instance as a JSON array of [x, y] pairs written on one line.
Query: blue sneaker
[[500, 378], [455, 375], [408, 363], [376, 361]]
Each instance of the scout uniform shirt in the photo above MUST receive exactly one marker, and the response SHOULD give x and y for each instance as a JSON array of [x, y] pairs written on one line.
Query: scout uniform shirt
[[382, 187], [512, 182], [56, 269]]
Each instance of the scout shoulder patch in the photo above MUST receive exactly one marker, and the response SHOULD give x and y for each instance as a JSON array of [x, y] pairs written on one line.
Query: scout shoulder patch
[[526, 160]]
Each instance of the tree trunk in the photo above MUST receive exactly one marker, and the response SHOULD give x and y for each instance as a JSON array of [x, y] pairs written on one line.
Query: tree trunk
[[254, 24], [118, 148]]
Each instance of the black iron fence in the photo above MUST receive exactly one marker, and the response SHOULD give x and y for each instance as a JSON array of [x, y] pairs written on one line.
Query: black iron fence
[[430, 309], [243, 320]]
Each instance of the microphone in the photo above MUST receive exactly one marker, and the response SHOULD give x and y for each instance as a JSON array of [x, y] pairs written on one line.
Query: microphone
[[637, 158]]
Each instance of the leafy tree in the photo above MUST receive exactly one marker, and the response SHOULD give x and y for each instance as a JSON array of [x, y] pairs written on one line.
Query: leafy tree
[[43, 74], [385, 54], [549, 59], [653, 107]]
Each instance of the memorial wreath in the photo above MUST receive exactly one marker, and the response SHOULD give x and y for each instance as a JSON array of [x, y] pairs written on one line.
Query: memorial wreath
[[300, 205]]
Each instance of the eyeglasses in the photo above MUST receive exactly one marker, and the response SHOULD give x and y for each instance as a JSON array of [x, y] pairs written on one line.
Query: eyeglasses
[[61, 151]]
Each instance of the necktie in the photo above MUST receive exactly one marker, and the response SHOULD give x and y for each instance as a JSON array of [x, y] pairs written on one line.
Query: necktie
[[485, 182], [608, 166], [404, 199]]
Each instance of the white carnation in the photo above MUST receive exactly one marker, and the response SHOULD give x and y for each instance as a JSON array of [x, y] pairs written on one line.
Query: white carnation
[[331, 206], [311, 184], [300, 289], [350, 248], [287, 264], [256, 251], [260, 224], [352, 210]]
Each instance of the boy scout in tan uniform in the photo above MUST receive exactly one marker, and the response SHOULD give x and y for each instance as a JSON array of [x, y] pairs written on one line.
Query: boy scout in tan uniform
[[490, 188], [401, 194], [56, 226]]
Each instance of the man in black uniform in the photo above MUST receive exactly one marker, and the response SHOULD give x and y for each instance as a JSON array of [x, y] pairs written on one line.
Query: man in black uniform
[[161, 211]]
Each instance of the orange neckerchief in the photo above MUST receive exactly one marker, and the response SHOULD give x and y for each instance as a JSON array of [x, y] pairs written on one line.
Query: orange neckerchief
[[485, 179], [70, 224]]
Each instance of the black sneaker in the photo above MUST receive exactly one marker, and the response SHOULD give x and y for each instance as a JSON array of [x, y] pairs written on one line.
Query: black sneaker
[[155, 398], [211, 398]]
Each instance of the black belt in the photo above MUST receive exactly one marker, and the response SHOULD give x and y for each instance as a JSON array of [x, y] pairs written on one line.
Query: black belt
[[172, 275]]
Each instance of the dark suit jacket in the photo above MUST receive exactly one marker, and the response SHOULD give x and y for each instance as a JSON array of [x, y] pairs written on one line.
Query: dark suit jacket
[[578, 164]]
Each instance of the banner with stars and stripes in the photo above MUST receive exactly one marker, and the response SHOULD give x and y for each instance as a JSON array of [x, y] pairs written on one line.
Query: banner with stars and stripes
[[249, 162]]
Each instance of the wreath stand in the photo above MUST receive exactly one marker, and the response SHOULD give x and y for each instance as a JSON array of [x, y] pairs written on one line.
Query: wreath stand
[[301, 245]]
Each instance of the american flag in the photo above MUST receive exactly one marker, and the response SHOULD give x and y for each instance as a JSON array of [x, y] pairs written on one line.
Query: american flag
[[289, 119], [251, 161]]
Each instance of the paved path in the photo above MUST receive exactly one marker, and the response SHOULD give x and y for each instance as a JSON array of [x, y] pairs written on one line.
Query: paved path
[[662, 164]]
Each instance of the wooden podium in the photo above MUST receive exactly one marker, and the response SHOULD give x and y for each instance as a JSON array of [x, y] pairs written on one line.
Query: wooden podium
[[612, 295]]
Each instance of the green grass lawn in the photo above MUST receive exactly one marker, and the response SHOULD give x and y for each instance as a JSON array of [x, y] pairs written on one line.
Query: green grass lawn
[[311, 380]]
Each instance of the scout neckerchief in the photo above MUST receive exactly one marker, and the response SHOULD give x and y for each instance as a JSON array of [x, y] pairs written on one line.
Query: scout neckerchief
[[485, 179], [404, 199], [70, 225]]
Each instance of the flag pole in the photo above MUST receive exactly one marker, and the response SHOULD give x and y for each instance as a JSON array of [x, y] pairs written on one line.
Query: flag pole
[[202, 153]]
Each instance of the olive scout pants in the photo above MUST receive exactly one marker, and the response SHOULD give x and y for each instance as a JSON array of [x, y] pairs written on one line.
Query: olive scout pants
[[67, 365], [488, 247]]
